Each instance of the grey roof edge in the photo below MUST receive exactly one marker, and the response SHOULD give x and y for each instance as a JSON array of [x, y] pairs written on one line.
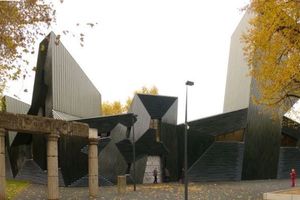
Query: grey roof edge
[[217, 115], [157, 95]]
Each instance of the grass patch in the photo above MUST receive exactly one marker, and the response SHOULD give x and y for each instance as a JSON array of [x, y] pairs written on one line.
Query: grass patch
[[14, 187]]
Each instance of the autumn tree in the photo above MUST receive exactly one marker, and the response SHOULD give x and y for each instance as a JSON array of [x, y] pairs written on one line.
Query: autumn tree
[[272, 48], [112, 108], [21, 22], [116, 107]]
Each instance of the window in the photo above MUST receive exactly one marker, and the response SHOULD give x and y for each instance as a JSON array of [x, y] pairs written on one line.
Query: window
[[155, 124]]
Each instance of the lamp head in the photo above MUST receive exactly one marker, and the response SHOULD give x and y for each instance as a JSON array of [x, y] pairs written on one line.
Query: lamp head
[[190, 83]]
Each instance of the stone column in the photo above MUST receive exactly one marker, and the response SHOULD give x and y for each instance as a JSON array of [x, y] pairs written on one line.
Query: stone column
[[2, 164], [93, 162], [52, 167]]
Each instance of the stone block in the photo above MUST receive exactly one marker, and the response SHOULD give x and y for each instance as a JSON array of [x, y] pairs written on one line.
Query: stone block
[[122, 184]]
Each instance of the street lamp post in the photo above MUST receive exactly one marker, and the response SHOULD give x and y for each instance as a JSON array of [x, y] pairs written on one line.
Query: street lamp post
[[133, 149], [134, 183], [188, 83]]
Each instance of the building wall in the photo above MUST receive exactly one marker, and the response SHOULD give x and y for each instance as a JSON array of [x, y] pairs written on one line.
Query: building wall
[[237, 83], [197, 145], [262, 142], [143, 117], [170, 117], [62, 90], [169, 139], [20, 153], [111, 161], [73, 92], [13, 105]]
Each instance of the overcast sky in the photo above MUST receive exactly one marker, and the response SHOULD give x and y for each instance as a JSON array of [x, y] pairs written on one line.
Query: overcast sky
[[144, 43]]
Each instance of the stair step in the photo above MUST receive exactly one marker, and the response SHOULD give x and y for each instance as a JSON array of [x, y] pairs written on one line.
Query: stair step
[[84, 181], [33, 173], [222, 161], [289, 157]]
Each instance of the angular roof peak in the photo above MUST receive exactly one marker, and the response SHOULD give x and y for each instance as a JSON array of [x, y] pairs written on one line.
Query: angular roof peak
[[156, 105]]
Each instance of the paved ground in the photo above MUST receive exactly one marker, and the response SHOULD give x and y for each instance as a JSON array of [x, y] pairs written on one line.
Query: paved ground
[[245, 190]]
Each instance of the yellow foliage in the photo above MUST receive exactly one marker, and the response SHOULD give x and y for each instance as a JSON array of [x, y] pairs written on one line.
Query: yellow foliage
[[20, 24], [113, 108], [117, 108], [144, 90], [272, 48], [15, 187]]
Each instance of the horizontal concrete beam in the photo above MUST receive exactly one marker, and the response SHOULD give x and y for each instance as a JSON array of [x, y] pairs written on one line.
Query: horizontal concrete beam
[[42, 125]]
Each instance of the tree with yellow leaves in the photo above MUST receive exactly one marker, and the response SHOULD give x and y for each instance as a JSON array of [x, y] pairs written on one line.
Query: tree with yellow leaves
[[117, 108], [272, 48], [21, 22]]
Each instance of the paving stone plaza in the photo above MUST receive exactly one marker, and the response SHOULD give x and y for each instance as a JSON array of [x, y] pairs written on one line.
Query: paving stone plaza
[[246, 190]]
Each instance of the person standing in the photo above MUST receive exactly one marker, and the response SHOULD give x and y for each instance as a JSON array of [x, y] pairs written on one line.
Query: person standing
[[293, 177], [155, 175]]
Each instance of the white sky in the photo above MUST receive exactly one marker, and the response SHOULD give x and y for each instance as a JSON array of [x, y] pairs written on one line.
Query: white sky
[[144, 43]]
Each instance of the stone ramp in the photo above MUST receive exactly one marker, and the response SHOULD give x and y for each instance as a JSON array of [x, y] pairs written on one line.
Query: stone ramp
[[222, 161], [31, 172], [289, 157], [84, 182]]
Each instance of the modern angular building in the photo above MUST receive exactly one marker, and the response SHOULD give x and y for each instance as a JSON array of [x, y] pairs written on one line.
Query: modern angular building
[[269, 144], [241, 143], [61, 91]]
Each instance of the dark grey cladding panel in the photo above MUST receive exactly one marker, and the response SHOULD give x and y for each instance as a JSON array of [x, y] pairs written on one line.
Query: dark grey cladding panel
[[262, 141], [73, 163], [107, 123], [38, 101], [148, 144], [197, 145], [72, 91], [290, 128], [126, 149], [220, 124], [156, 105], [221, 162], [169, 138], [40, 88]]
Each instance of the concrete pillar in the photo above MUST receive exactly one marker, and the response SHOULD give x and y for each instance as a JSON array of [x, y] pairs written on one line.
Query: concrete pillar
[[93, 163], [2, 164], [52, 167]]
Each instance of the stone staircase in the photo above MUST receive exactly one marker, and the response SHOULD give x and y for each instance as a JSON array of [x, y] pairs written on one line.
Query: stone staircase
[[84, 182], [289, 157], [104, 141], [33, 173], [222, 161]]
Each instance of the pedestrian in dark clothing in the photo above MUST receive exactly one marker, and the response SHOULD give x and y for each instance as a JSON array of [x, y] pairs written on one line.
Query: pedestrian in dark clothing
[[155, 175]]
